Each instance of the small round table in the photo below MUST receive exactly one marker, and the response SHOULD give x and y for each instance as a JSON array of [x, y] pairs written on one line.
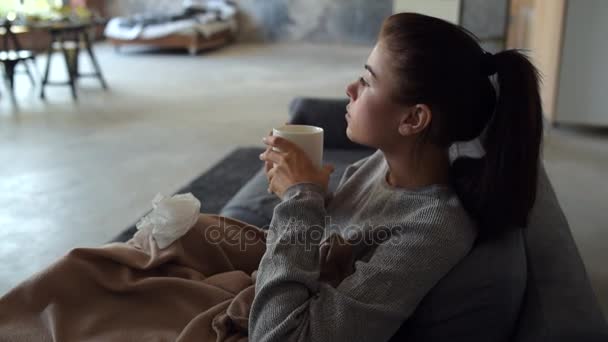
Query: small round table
[[74, 35]]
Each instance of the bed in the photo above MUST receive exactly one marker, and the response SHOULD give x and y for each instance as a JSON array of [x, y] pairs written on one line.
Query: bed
[[201, 25]]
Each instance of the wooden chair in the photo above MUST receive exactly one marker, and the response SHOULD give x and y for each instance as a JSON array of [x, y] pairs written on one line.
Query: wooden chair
[[11, 57]]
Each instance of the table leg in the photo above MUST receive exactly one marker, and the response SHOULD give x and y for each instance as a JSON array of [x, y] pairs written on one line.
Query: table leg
[[49, 55], [87, 44], [70, 66], [29, 73]]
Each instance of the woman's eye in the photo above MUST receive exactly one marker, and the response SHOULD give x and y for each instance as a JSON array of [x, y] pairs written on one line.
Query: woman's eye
[[363, 82]]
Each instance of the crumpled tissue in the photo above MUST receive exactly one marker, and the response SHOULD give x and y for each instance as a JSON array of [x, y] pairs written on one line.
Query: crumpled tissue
[[170, 218]]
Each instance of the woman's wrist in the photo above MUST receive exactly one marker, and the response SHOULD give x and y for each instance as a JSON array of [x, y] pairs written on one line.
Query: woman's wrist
[[292, 190]]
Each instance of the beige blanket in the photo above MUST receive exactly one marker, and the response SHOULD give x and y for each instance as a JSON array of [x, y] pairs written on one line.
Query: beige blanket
[[200, 288]]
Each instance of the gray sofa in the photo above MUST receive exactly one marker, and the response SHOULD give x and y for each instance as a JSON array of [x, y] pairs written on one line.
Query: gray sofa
[[527, 285]]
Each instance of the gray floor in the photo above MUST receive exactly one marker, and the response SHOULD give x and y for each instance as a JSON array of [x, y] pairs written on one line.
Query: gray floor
[[77, 173]]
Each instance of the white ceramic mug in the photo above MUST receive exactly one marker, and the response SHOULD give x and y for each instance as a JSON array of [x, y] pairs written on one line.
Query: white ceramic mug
[[308, 138]]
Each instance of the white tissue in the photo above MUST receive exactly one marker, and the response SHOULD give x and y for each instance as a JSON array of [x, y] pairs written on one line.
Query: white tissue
[[170, 218]]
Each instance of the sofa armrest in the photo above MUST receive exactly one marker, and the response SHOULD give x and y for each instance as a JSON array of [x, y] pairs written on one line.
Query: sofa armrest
[[327, 114], [559, 304]]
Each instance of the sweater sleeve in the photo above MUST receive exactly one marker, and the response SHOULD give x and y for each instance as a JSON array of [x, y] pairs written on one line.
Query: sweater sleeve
[[291, 304]]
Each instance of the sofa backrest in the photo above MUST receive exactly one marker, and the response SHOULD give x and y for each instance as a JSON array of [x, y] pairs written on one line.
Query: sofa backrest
[[529, 284]]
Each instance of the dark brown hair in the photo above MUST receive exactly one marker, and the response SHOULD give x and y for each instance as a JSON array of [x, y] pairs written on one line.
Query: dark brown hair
[[443, 66]]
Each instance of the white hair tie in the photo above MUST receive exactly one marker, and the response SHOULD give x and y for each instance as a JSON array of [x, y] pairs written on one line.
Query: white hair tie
[[473, 148], [470, 149]]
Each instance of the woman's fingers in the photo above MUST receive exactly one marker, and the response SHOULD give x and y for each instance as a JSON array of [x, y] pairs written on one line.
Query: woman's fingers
[[268, 166], [272, 156], [281, 143], [269, 176], [270, 173]]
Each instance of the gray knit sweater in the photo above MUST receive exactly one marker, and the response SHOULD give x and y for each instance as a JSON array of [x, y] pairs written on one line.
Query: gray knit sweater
[[416, 238]]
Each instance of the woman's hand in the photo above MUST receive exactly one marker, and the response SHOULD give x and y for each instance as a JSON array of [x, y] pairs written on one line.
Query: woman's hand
[[290, 166]]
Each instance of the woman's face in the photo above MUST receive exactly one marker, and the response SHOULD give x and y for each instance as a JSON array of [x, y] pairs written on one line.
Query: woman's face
[[372, 116]]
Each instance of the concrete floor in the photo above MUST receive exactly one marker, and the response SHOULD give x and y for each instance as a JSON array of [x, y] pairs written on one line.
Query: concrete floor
[[77, 173]]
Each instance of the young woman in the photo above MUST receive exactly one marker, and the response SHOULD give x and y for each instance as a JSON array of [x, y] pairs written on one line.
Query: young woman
[[456, 161]]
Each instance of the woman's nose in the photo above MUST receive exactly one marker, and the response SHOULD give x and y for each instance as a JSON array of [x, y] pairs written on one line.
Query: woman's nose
[[351, 91]]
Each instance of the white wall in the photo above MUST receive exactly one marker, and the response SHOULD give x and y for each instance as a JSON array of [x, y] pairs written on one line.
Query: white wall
[[445, 9], [583, 80]]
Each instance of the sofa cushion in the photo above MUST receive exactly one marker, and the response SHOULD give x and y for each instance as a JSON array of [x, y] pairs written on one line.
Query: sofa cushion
[[478, 300], [254, 205]]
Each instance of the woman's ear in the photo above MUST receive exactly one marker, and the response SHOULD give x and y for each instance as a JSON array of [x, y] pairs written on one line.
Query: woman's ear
[[415, 119]]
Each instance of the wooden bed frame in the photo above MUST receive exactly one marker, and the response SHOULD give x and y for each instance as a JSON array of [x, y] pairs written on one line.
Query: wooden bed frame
[[193, 42]]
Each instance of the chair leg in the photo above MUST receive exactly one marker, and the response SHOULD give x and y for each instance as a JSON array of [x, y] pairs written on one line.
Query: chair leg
[[9, 79], [29, 72], [9, 69]]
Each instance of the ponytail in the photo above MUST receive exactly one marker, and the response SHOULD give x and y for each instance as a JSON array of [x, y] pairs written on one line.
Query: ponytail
[[500, 189]]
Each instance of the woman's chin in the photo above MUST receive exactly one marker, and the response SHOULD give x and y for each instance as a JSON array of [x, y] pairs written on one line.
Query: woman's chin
[[349, 134]]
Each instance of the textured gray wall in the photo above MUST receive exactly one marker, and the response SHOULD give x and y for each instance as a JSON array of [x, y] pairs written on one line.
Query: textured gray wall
[[327, 21], [330, 21]]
